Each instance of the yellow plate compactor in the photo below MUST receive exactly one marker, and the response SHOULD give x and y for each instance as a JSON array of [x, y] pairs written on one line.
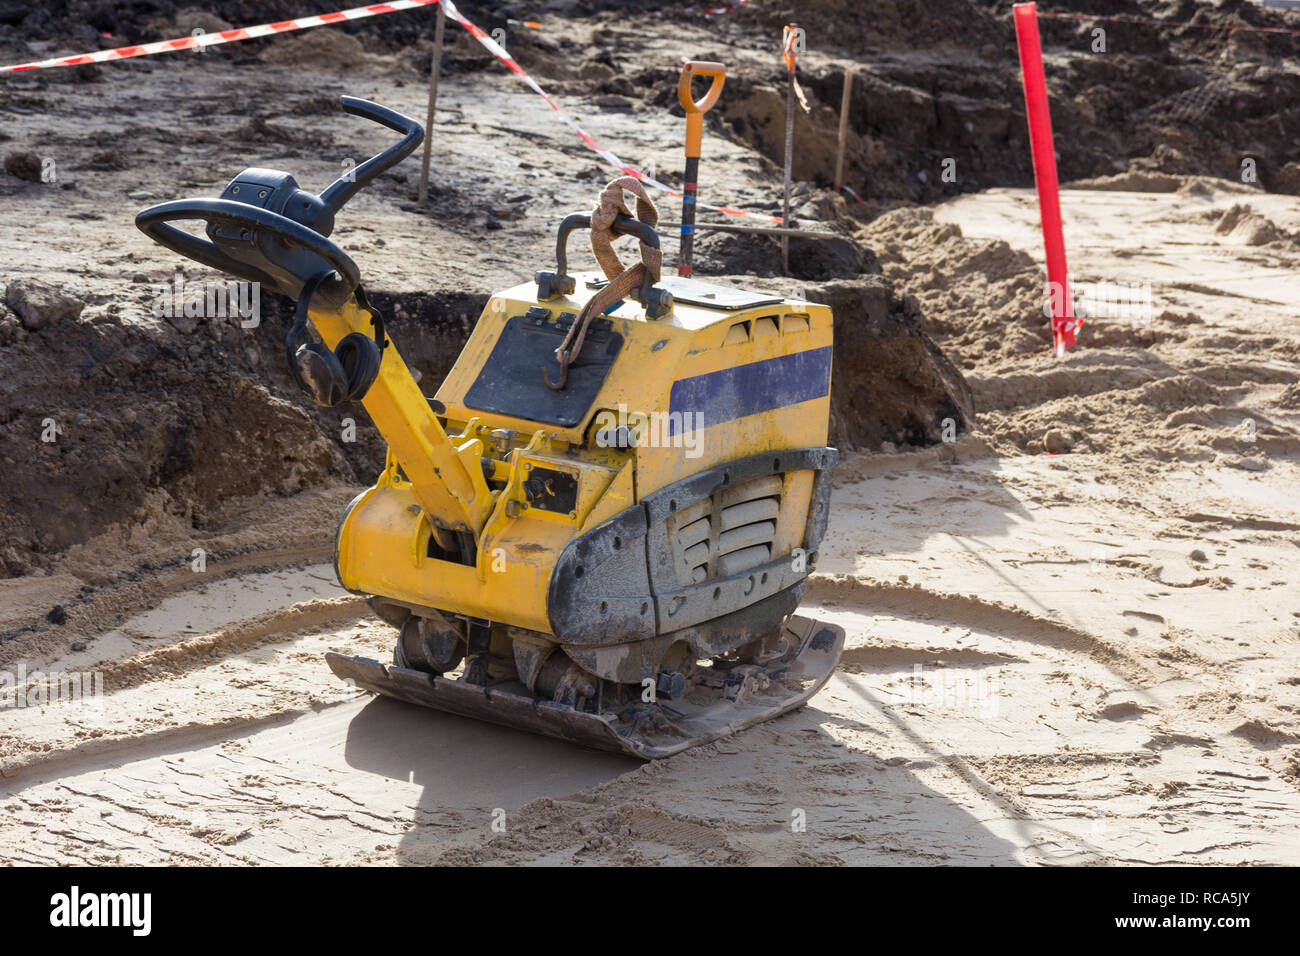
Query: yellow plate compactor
[[601, 525]]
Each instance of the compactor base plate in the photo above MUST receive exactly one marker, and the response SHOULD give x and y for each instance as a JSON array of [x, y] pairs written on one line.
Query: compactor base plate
[[719, 701]]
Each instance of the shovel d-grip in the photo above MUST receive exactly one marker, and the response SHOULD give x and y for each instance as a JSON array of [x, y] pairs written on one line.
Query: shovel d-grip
[[695, 110], [657, 302]]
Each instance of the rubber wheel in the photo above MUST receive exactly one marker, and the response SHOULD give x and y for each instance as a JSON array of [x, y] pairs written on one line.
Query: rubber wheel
[[422, 647]]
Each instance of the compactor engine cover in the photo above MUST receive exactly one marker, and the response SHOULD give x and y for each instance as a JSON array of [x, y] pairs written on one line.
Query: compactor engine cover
[[601, 525]]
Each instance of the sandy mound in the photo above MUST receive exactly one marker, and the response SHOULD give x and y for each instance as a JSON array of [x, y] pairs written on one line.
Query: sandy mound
[[982, 298], [1198, 395], [1241, 224]]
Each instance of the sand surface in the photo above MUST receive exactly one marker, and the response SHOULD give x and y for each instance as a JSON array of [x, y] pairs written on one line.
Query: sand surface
[[1051, 659], [1007, 696]]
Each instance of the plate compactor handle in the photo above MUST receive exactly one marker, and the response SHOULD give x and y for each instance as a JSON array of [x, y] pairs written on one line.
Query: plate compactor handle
[[348, 185], [242, 222], [266, 229]]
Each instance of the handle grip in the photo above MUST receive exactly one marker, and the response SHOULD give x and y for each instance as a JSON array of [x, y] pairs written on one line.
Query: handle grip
[[155, 222], [695, 109], [345, 187], [693, 68]]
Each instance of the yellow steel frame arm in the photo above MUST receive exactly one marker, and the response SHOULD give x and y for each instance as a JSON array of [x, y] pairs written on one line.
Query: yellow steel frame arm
[[446, 479]]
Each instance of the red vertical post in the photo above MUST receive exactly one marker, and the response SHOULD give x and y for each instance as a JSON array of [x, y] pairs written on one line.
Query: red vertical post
[[1064, 325]]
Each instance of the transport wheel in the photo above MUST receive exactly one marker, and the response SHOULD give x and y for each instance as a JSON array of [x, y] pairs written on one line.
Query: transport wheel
[[429, 645]]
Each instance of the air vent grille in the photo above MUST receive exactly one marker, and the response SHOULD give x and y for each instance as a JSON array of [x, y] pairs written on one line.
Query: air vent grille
[[727, 533]]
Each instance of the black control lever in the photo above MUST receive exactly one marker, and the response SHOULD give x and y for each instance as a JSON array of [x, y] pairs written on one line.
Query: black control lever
[[345, 187]]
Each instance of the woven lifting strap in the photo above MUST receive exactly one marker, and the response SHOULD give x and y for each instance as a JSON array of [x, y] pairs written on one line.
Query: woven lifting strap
[[622, 283]]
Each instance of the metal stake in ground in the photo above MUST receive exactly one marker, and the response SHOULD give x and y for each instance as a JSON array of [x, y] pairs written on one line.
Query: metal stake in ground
[[695, 110], [844, 128], [435, 68], [789, 42]]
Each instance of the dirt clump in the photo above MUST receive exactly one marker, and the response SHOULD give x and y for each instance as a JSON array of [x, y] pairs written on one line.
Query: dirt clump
[[726, 253], [890, 382], [37, 305], [25, 165], [1242, 224], [323, 45], [191, 20]]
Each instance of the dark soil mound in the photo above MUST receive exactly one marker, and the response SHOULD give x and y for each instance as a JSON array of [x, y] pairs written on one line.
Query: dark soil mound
[[935, 85], [141, 417]]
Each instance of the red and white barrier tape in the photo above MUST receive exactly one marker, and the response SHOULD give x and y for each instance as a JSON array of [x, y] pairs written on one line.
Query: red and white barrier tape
[[607, 155], [849, 189], [201, 40]]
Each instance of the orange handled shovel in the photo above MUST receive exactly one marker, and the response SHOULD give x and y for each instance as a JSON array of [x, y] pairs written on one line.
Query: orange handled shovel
[[695, 110]]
